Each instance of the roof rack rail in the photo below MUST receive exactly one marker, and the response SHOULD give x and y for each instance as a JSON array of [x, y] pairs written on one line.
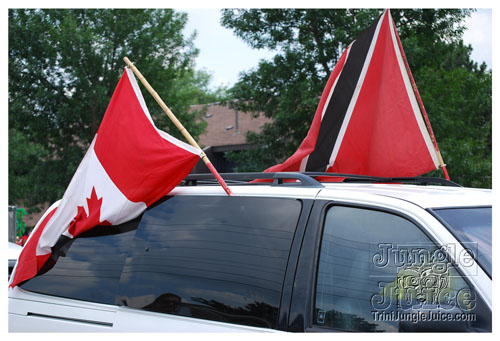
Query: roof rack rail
[[376, 179], [278, 179], [307, 179]]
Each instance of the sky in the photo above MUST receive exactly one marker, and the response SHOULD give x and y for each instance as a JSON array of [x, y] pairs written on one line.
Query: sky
[[224, 55], [478, 35], [221, 53]]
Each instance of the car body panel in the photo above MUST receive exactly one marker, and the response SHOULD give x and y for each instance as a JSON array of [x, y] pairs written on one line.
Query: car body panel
[[30, 311], [42, 313]]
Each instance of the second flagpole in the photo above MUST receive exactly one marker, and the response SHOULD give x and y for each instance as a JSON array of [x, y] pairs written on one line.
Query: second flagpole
[[178, 124]]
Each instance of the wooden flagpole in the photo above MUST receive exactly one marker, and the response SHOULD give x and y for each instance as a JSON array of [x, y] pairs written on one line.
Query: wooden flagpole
[[421, 105], [178, 124]]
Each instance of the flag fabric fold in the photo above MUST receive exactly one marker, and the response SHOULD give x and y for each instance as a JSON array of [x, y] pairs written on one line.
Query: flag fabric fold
[[129, 165], [368, 121]]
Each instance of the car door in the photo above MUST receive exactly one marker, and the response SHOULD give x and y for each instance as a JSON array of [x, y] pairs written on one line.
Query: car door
[[368, 268]]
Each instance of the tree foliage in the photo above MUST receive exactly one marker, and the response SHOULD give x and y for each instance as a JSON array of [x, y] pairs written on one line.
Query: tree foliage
[[308, 42], [64, 65], [25, 156]]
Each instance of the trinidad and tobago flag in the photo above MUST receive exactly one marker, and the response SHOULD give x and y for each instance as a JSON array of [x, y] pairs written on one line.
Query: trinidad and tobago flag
[[129, 165], [368, 121]]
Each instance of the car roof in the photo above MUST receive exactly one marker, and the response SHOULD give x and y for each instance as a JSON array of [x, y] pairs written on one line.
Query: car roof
[[14, 250], [423, 196]]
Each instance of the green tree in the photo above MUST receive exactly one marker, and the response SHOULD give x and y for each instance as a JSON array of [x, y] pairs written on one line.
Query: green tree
[[456, 91], [64, 65], [457, 96], [25, 155]]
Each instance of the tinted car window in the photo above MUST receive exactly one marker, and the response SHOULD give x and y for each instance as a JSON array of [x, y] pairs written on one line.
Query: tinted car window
[[88, 267], [379, 272], [471, 226], [216, 258]]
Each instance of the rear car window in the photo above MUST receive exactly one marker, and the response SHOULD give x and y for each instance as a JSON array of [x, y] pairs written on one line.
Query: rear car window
[[216, 258], [88, 267]]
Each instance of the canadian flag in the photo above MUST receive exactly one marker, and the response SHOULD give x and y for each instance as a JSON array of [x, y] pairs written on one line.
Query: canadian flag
[[129, 165], [368, 120]]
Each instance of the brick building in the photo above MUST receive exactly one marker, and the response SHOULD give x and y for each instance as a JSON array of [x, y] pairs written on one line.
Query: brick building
[[226, 131]]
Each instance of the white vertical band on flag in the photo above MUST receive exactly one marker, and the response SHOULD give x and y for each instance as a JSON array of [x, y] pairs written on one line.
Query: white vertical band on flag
[[50, 209], [355, 95], [63, 216], [163, 134], [114, 203], [138, 93], [412, 97], [303, 163], [116, 207]]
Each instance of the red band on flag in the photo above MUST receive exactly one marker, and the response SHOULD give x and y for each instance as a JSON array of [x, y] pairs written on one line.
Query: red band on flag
[[31, 263], [141, 163]]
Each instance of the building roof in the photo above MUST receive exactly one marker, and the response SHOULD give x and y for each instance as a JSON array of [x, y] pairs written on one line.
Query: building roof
[[227, 127]]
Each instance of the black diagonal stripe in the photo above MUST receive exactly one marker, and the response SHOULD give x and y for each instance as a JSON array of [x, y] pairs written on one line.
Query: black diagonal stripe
[[339, 101]]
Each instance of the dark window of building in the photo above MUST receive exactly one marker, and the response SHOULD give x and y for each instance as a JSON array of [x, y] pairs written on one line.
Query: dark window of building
[[379, 272], [216, 258], [87, 267]]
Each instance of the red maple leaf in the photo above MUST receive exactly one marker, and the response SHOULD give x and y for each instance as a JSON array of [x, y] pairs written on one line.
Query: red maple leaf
[[83, 222]]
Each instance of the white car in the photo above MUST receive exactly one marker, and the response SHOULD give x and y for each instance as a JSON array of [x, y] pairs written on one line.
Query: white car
[[297, 255]]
